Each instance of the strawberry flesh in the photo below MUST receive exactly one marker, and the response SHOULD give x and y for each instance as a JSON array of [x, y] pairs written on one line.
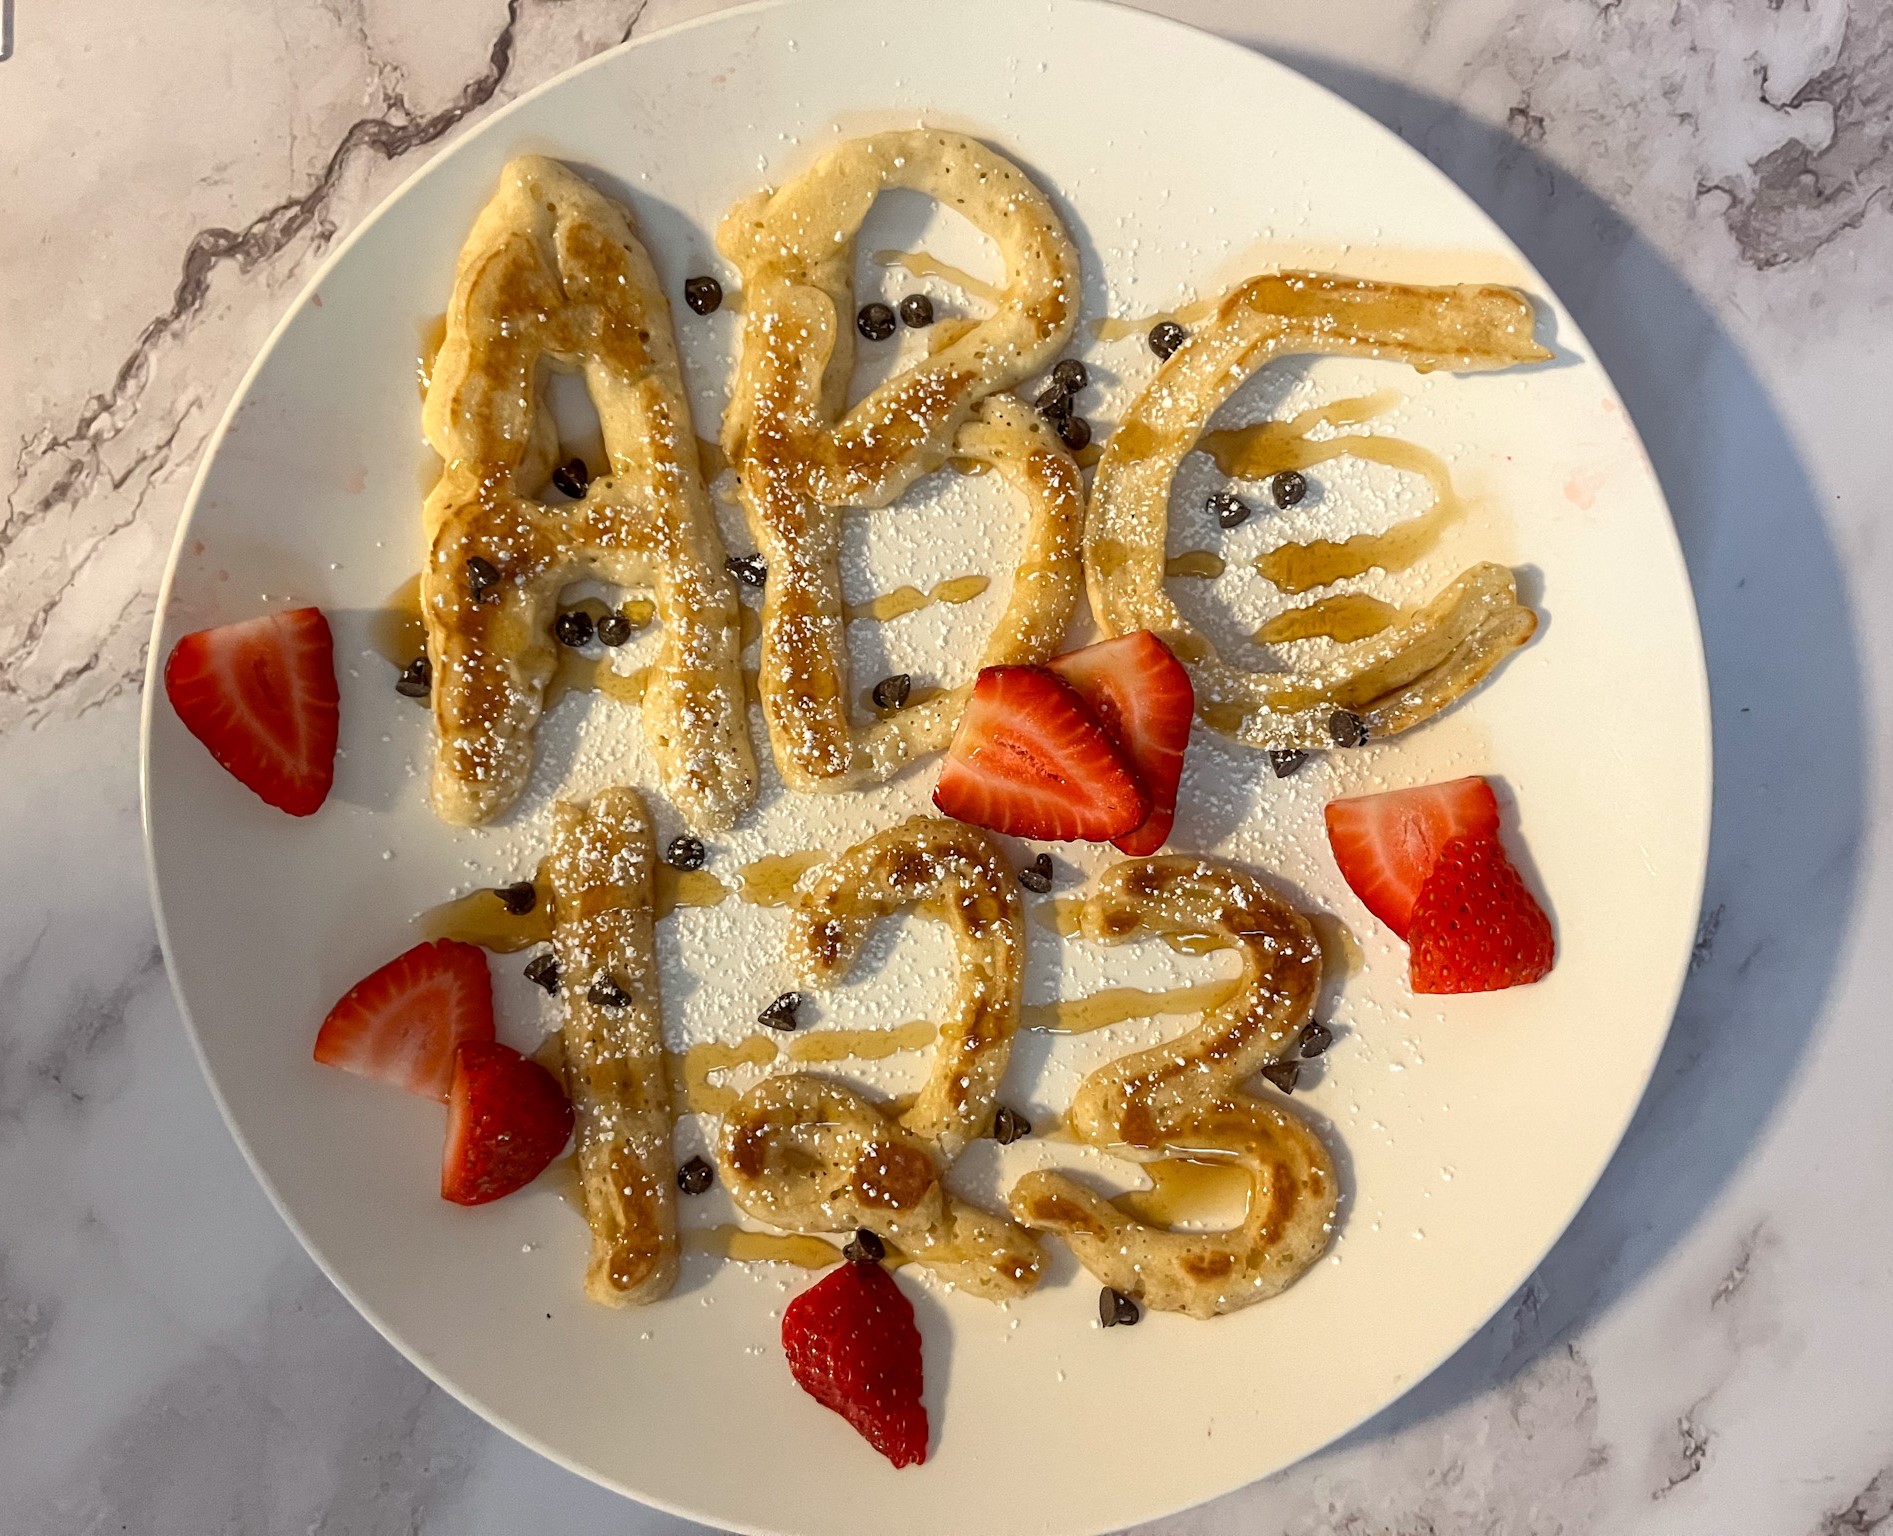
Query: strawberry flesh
[[1387, 844], [1141, 695], [1476, 927], [853, 1347], [1030, 760], [261, 696], [402, 1024], [507, 1118]]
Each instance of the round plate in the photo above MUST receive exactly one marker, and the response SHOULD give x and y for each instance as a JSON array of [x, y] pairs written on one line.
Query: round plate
[[1468, 1129]]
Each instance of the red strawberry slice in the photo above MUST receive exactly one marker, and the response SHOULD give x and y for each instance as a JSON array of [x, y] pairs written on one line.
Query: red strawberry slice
[[1387, 844], [853, 1347], [507, 1118], [1476, 928], [1029, 759], [1141, 695], [402, 1024], [261, 695]]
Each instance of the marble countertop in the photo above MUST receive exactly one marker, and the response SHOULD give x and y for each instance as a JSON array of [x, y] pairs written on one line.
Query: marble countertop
[[1709, 186]]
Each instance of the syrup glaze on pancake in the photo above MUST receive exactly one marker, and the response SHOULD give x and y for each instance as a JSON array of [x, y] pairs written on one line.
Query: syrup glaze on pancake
[[1397, 678], [552, 275], [800, 460]]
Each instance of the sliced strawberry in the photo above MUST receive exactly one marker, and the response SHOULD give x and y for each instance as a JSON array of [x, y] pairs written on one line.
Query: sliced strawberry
[[853, 1347], [1030, 759], [507, 1118], [402, 1024], [1476, 928], [1386, 844], [1141, 695], [261, 695]]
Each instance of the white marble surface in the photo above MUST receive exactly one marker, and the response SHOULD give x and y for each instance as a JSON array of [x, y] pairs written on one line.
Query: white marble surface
[[1709, 185]]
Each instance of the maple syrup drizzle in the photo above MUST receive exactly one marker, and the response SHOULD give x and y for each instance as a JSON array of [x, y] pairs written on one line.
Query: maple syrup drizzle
[[1116, 328], [905, 600], [920, 264], [1114, 1005], [746, 1247], [1204, 564], [1267, 447], [1188, 1189], [770, 880], [861, 1044], [674, 888], [691, 1090], [480, 917], [1345, 617]]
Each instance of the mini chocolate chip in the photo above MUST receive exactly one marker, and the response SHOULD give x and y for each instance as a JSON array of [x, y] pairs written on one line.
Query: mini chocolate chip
[[483, 579], [917, 310], [1230, 510], [1284, 1074], [864, 1247], [1116, 1310], [1166, 336], [1286, 762], [1053, 402], [543, 971], [416, 680], [876, 322], [1009, 1125], [613, 629], [1347, 728], [1071, 375], [685, 852], [573, 628], [695, 1176], [748, 569], [572, 477], [1288, 487], [519, 898], [892, 692], [781, 1013], [1313, 1039], [1037, 876], [704, 295], [1074, 432], [606, 993]]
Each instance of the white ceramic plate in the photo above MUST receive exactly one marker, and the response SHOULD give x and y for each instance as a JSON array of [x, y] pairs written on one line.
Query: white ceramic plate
[[1470, 1129]]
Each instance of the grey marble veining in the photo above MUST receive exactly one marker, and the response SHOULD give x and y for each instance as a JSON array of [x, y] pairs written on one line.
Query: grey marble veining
[[1708, 185]]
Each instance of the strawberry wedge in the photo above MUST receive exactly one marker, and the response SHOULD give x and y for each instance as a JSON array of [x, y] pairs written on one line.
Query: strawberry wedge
[[1387, 844], [507, 1118], [1030, 760], [403, 1024], [1141, 695], [261, 696]]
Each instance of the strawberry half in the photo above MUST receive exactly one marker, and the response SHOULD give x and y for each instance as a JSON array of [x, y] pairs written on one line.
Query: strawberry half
[[507, 1118], [402, 1024], [261, 695], [1476, 928], [1141, 695], [853, 1347], [1387, 844], [1029, 759]]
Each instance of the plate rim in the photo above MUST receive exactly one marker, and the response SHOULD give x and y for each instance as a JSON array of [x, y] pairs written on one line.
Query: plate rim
[[1390, 142]]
